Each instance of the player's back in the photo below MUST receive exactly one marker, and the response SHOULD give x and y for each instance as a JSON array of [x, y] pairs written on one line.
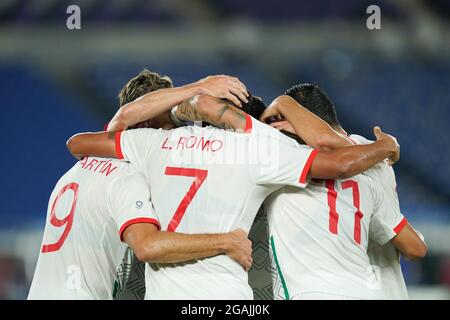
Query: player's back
[[207, 180], [319, 237], [198, 186], [81, 247]]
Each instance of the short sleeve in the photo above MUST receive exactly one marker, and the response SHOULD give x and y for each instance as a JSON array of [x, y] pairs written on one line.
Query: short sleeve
[[135, 145], [387, 220], [280, 160], [129, 201]]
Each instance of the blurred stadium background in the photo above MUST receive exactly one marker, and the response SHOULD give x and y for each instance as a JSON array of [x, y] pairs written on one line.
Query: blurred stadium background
[[55, 82]]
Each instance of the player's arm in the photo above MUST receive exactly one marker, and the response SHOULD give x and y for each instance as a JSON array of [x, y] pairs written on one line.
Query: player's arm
[[151, 245], [218, 112], [98, 144], [346, 162], [387, 223], [314, 131], [155, 103], [138, 224], [410, 243]]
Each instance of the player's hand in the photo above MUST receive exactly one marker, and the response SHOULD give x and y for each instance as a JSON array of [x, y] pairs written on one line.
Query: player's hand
[[239, 248], [271, 113], [223, 86], [392, 141]]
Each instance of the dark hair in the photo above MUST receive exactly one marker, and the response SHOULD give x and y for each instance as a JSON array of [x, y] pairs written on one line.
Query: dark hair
[[254, 107], [145, 82], [313, 98]]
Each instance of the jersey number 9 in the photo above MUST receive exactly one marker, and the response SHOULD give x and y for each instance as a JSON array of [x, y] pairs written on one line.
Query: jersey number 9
[[67, 221]]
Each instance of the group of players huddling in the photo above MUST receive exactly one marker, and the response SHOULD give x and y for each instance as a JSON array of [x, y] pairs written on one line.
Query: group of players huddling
[[183, 197]]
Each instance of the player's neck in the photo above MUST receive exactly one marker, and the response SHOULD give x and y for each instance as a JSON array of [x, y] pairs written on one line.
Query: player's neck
[[163, 121], [168, 123]]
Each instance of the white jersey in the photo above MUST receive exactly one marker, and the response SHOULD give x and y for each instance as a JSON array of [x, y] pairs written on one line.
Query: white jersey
[[319, 238], [208, 180], [88, 210], [386, 257]]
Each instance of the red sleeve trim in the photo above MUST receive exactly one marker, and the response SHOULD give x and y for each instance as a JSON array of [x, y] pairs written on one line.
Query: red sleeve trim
[[307, 166], [105, 127], [119, 153], [137, 220], [248, 124], [400, 226]]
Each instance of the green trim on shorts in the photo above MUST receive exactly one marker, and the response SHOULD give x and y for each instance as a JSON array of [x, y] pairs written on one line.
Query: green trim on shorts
[[274, 252]]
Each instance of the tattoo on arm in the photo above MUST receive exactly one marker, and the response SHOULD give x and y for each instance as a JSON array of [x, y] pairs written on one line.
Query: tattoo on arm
[[111, 135], [237, 117], [187, 112], [223, 114]]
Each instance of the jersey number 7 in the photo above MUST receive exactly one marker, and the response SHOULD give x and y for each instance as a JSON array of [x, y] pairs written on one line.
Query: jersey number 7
[[200, 176]]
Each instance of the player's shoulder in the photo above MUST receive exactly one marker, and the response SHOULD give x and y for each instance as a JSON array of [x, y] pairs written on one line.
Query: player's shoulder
[[103, 166], [381, 172], [128, 179], [126, 171], [382, 175], [70, 176], [355, 138], [101, 172], [370, 180], [146, 129], [254, 130], [131, 174], [95, 175], [144, 133], [254, 126]]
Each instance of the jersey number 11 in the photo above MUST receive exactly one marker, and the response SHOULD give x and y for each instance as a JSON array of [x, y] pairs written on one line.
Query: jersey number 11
[[334, 216]]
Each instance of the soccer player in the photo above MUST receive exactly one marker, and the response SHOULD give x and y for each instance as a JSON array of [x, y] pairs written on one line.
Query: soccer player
[[99, 206], [212, 180], [319, 236]]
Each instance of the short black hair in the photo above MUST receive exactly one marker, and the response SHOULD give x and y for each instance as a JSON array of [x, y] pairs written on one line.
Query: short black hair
[[254, 107], [313, 98]]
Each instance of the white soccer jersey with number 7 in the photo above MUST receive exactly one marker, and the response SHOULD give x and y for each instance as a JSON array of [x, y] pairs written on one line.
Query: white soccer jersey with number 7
[[89, 208], [208, 180]]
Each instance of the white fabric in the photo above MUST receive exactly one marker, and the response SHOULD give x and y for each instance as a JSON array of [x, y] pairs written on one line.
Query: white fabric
[[310, 256], [229, 175], [105, 194], [387, 257]]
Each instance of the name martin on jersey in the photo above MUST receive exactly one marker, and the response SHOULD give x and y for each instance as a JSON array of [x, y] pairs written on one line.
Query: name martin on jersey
[[105, 167]]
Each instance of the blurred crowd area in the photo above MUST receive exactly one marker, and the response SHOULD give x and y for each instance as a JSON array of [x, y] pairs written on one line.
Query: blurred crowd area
[[55, 82]]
